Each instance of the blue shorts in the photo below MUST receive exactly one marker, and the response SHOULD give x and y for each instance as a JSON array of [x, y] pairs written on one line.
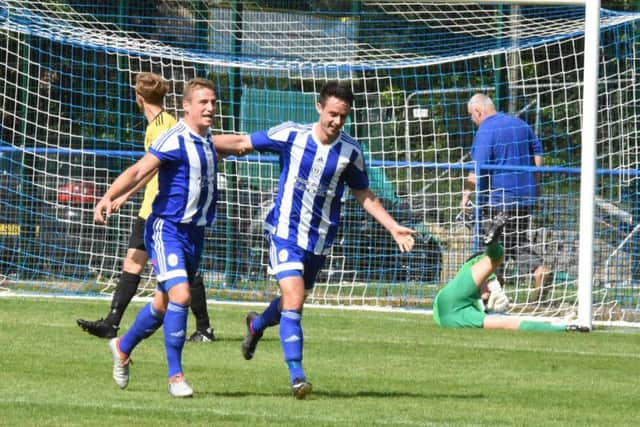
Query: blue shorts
[[287, 259], [174, 250]]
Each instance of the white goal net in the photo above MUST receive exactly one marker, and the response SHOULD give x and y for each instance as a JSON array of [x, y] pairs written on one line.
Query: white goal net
[[70, 126]]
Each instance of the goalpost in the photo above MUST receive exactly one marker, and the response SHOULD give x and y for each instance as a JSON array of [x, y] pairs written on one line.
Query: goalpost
[[70, 126], [587, 177]]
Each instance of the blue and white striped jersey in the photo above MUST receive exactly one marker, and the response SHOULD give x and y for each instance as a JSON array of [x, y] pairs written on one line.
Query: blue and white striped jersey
[[312, 179], [187, 187]]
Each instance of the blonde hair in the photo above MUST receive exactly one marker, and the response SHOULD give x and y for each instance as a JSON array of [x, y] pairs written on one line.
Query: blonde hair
[[197, 83], [151, 87]]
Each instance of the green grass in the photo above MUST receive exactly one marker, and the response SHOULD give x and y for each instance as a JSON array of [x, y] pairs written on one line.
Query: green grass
[[367, 368]]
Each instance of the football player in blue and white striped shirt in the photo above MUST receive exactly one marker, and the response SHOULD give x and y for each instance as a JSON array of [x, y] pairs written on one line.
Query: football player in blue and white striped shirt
[[185, 159], [316, 161]]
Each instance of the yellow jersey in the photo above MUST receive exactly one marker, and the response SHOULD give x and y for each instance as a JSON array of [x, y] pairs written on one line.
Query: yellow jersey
[[160, 123]]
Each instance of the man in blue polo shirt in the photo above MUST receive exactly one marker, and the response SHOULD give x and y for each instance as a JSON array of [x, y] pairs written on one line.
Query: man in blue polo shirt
[[504, 140]]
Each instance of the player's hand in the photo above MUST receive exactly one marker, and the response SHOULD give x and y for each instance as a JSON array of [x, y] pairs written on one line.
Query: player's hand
[[118, 202], [498, 301], [102, 211], [404, 238]]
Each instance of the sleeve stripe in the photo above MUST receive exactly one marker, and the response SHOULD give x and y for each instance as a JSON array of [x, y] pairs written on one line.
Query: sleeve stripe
[[162, 139]]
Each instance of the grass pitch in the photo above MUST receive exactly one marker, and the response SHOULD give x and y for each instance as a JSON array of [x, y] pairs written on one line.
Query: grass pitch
[[367, 369]]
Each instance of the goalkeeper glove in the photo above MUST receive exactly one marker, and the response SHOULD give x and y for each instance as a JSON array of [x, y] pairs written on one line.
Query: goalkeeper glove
[[498, 301]]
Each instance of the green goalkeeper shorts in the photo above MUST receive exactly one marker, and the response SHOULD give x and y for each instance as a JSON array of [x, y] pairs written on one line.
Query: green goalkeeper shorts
[[457, 305]]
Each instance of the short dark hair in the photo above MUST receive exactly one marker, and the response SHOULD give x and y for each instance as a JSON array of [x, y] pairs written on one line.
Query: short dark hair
[[338, 90]]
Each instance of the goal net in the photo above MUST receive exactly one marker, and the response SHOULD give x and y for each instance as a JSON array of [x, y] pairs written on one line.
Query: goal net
[[70, 126]]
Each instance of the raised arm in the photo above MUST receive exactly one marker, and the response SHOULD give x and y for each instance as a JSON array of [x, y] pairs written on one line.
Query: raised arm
[[370, 203], [124, 183]]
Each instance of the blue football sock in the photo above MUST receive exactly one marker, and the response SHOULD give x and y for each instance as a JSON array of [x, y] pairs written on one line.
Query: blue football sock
[[291, 339], [147, 322], [269, 317], [295, 370], [175, 330]]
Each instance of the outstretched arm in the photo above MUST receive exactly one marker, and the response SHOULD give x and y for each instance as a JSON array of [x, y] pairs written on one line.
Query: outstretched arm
[[232, 144], [370, 203], [127, 180]]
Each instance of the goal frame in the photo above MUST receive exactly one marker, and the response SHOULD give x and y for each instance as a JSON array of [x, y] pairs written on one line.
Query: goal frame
[[588, 151], [586, 128]]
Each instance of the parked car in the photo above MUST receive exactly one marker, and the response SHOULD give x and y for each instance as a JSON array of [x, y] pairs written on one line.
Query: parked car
[[77, 192], [20, 224], [11, 224], [369, 253], [72, 238], [363, 250]]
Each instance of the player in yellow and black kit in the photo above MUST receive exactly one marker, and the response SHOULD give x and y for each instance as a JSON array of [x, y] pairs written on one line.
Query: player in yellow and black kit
[[150, 91]]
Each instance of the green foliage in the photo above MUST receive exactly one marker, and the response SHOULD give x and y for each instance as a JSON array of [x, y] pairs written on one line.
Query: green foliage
[[630, 5], [367, 369]]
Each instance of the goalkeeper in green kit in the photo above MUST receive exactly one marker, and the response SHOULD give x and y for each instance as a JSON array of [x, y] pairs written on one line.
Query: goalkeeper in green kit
[[461, 303]]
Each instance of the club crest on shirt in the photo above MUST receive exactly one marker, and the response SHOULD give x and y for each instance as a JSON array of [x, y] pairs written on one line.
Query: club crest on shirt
[[283, 255], [172, 260], [207, 181], [317, 168]]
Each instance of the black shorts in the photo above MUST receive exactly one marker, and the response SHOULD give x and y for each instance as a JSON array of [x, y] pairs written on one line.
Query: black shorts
[[517, 246], [136, 239]]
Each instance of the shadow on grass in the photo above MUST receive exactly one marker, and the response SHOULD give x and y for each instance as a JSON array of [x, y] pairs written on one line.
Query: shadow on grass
[[352, 394], [239, 339], [396, 394]]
